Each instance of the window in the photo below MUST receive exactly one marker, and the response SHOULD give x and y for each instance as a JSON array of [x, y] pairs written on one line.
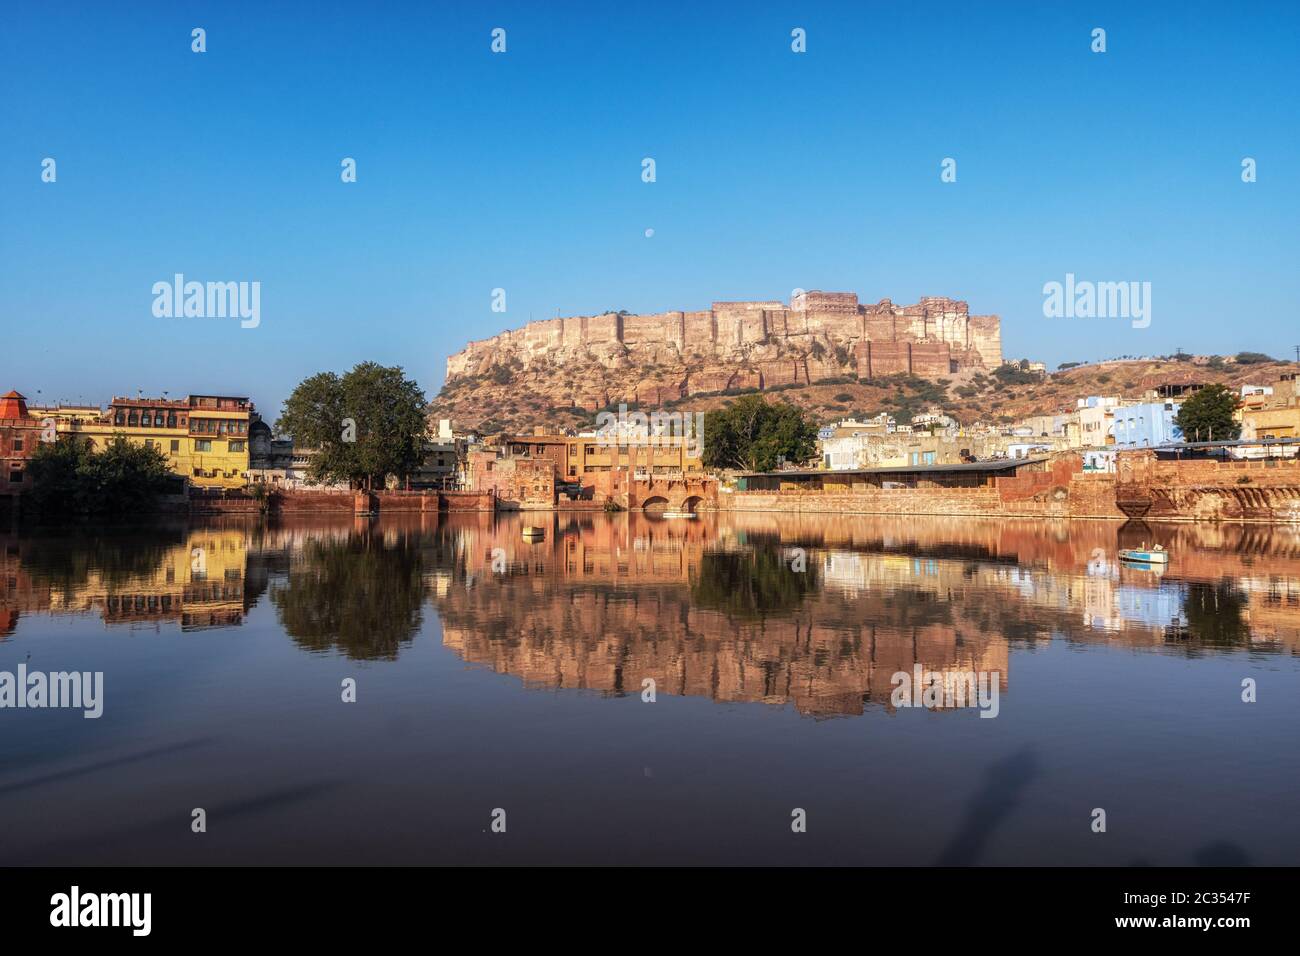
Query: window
[[236, 446], [203, 444], [18, 444], [176, 446], [16, 476]]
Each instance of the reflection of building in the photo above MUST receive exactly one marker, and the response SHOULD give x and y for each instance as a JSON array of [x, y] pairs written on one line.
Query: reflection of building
[[197, 583], [200, 585]]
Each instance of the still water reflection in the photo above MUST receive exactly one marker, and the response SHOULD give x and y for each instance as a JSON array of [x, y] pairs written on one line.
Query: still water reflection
[[494, 670]]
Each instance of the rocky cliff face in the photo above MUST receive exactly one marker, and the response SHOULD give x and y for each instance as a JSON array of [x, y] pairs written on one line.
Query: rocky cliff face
[[591, 362]]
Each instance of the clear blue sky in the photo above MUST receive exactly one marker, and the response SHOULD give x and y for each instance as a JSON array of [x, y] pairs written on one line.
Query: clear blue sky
[[522, 171]]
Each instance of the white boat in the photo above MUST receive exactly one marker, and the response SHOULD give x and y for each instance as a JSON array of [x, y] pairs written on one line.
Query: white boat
[[678, 514], [1144, 555]]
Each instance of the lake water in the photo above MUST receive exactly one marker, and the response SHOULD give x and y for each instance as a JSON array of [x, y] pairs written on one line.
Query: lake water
[[498, 673]]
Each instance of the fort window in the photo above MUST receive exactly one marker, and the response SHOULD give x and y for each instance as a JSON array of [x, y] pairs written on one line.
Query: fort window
[[176, 446], [18, 444]]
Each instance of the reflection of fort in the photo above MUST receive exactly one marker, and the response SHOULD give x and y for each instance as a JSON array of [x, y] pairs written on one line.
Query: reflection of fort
[[606, 606]]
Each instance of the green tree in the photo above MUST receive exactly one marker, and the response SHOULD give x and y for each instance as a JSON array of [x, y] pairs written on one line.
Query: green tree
[[70, 478], [1208, 415], [365, 425], [752, 434]]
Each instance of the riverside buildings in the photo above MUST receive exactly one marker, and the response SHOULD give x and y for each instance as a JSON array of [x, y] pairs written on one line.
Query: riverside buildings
[[204, 437]]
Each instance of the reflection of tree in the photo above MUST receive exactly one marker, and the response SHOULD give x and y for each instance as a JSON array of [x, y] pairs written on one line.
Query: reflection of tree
[[1216, 614], [357, 596], [751, 584]]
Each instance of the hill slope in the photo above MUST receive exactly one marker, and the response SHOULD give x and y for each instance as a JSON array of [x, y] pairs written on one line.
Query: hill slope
[[1003, 395]]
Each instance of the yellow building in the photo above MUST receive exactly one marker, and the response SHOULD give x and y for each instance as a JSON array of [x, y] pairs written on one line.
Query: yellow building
[[1271, 423], [1276, 415], [204, 437]]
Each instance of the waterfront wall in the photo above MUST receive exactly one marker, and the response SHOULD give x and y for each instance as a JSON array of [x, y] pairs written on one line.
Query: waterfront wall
[[1062, 490], [1256, 490], [1142, 487], [342, 502]]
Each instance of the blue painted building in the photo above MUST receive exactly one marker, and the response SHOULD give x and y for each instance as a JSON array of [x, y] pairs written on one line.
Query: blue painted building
[[1146, 426]]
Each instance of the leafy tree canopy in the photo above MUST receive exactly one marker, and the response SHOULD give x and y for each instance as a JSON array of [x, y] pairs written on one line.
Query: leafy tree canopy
[[1208, 415], [70, 478], [366, 424], [752, 434]]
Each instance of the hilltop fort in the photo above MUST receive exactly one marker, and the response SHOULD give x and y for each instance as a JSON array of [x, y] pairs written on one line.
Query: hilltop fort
[[591, 362]]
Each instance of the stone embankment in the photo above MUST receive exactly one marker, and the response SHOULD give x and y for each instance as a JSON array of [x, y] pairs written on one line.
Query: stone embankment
[[1142, 487]]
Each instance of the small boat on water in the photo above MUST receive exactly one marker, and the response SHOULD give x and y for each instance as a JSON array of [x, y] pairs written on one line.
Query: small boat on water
[[679, 514], [1144, 555], [532, 531]]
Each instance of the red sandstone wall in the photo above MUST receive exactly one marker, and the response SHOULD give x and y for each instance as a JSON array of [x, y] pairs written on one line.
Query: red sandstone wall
[[1267, 490]]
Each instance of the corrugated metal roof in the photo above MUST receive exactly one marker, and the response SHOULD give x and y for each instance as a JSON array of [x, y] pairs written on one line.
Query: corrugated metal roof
[[999, 465]]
